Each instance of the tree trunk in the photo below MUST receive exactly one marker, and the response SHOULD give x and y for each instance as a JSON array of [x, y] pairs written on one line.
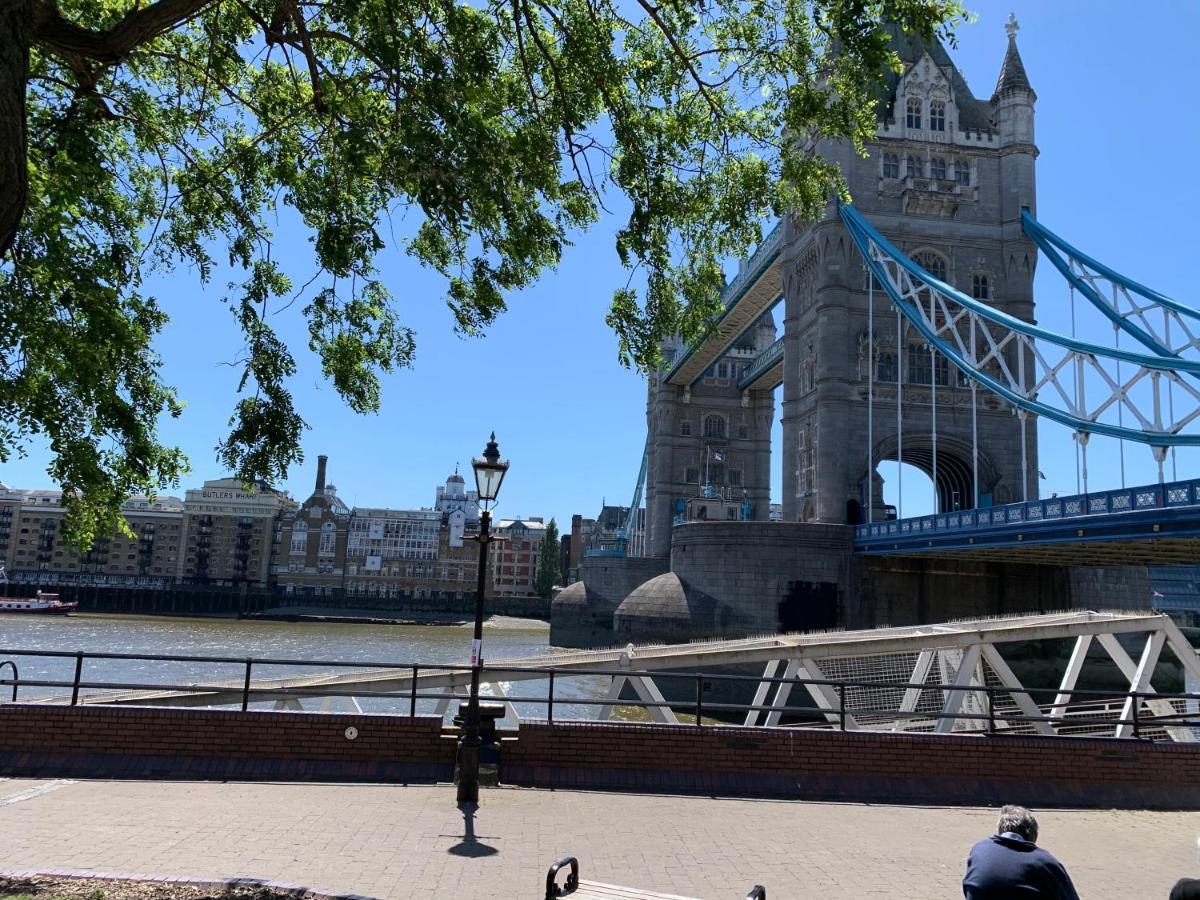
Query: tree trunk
[[16, 37]]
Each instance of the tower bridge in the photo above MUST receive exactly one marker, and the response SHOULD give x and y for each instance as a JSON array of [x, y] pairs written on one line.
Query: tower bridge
[[908, 335]]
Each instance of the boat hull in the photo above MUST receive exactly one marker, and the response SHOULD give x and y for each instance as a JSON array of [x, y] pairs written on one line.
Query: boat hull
[[62, 610]]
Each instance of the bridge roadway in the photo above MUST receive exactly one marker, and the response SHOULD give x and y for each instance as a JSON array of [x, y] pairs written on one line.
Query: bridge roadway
[[963, 654], [1155, 524], [756, 289]]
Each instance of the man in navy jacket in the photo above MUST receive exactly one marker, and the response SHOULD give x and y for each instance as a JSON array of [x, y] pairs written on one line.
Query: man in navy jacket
[[1011, 866]]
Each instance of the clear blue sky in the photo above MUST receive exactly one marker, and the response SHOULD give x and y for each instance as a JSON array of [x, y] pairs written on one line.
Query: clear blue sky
[[1118, 118]]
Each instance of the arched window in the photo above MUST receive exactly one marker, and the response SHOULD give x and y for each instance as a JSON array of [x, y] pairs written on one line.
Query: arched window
[[914, 167], [931, 263], [912, 112], [937, 168], [714, 426], [964, 172], [328, 539], [980, 288], [891, 165], [937, 115], [685, 428]]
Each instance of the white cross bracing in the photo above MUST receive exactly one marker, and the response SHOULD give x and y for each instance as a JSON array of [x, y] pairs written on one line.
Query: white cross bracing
[[1030, 370], [1175, 330], [953, 677]]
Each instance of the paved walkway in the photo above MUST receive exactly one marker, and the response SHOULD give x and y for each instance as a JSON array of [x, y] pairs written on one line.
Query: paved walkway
[[393, 841]]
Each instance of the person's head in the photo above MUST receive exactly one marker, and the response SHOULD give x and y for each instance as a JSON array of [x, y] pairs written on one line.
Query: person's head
[[1018, 820]]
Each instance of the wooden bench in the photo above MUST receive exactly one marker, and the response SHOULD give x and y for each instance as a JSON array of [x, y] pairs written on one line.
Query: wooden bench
[[577, 889]]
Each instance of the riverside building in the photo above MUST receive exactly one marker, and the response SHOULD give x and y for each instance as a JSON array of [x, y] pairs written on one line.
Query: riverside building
[[34, 551], [225, 537], [230, 533]]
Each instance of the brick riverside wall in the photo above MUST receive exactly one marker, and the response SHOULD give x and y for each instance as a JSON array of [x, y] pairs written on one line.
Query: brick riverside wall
[[129, 742], [824, 765]]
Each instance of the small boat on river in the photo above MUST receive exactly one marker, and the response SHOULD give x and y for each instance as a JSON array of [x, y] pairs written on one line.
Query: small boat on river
[[45, 604]]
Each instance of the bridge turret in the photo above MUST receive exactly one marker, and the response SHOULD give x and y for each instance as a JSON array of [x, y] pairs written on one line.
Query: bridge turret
[[1013, 109]]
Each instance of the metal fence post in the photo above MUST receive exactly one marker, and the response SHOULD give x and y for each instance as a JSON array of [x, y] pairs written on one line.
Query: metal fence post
[[842, 706], [412, 695], [550, 701], [991, 702], [78, 671], [699, 698], [1136, 724], [16, 676], [246, 685]]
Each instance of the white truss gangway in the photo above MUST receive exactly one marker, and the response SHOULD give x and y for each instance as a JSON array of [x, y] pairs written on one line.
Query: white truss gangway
[[928, 677]]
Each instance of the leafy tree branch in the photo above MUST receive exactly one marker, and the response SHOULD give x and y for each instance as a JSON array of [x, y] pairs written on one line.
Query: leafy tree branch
[[148, 138]]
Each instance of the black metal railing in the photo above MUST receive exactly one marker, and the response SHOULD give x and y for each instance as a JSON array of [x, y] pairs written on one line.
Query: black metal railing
[[16, 679], [1070, 712]]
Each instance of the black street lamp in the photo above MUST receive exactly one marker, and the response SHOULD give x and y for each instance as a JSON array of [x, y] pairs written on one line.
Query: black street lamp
[[489, 474]]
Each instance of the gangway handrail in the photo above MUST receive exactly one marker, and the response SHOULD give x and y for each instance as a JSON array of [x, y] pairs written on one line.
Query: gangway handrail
[[841, 713]]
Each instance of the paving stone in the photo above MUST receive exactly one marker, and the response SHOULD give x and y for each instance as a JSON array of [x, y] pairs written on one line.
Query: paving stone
[[396, 842]]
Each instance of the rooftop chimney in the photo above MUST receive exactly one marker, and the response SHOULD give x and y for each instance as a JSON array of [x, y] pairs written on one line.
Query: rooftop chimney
[[321, 460]]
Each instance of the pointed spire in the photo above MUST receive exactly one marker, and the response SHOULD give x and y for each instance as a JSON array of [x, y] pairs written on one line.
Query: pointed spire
[[1012, 71]]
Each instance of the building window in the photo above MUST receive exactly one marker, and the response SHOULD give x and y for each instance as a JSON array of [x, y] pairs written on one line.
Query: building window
[[735, 477], [692, 475], [937, 115], [806, 468], [980, 289], [885, 366], [964, 173], [891, 165], [723, 370], [685, 428], [299, 537], [743, 432], [914, 167], [931, 263], [328, 539], [920, 366], [937, 168], [912, 114], [714, 427]]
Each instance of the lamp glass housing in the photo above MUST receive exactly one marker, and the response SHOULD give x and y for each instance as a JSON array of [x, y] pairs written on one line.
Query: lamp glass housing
[[489, 473]]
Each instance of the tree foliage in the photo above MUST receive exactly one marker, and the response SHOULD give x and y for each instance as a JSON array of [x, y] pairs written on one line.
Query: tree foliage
[[548, 569], [156, 137]]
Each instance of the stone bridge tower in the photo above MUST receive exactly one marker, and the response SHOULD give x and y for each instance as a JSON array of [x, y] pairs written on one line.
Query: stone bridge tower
[[945, 180], [711, 435]]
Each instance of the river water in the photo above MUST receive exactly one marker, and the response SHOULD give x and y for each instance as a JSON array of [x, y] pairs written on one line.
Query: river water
[[404, 645]]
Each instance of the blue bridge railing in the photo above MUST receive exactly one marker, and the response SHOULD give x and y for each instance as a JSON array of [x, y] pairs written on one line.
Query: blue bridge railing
[[1170, 495], [761, 363]]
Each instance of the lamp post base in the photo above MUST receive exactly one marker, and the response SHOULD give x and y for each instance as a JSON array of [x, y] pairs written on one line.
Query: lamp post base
[[466, 771]]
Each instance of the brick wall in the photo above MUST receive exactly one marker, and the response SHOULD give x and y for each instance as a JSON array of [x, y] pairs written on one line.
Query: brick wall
[[128, 742], [805, 764]]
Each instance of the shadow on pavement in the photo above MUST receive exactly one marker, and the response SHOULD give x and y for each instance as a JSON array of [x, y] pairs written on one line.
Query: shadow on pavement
[[470, 845]]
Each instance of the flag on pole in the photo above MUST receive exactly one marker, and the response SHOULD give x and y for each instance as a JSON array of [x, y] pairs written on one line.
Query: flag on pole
[[718, 455], [1158, 595]]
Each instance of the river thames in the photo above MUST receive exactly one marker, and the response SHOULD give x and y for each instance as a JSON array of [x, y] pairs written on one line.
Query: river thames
[[404, 645]]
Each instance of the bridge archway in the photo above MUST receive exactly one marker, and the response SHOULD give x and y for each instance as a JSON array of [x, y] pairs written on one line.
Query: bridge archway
[[954, 481]]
